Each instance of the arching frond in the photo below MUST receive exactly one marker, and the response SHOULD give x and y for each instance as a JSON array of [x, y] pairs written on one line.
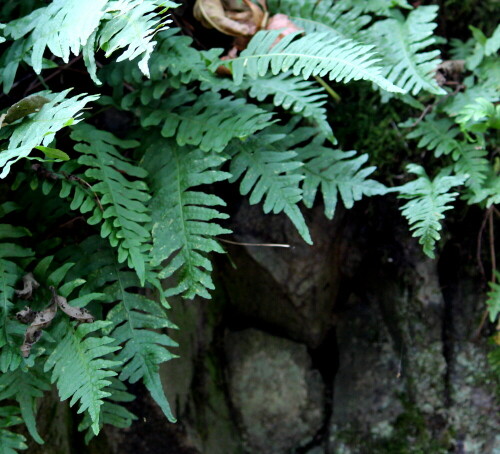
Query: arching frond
[[316, 54], [402, 42], [10, 442]]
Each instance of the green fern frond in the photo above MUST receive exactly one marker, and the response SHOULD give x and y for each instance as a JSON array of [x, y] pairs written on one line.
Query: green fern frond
[[402, 43], [68, 27], [429, 200], [25, 387], [12, 250], [111, 411], [489, 192], [270, 173], [295, 94], [493, 301], [338, 18], [436, 135], [381, 7], [184, 227], [121, 191], [335, 172], [134, 319], [10, 442], [132, 27], [79, 368], [316, 54], [210, 122], [38, 129], [440, 136]]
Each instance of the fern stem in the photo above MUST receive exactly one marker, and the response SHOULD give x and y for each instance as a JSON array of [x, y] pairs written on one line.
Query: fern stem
[[329, 89]]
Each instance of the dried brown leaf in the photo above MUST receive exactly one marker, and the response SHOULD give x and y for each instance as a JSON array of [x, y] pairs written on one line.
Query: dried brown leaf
[[29, 284]]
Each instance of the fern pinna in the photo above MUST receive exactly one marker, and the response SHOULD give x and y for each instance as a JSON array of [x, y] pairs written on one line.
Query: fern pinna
[[111, 221]]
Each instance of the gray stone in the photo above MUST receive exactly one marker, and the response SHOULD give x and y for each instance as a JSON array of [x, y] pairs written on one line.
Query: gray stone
[[277, 396]]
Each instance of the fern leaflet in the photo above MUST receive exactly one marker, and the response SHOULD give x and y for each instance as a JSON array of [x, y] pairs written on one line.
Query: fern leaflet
[[39, 128], [184, 227], [210, 123], [429, 199], [80, 370], [335, 172], [122, 194], [25, 387], [270, 172], [493, 301], [10, 442]]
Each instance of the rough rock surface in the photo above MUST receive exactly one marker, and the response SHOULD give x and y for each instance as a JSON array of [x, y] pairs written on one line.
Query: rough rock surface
[[278, 397]]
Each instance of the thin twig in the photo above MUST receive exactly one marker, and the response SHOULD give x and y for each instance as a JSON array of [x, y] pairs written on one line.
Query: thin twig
[[237, 243]]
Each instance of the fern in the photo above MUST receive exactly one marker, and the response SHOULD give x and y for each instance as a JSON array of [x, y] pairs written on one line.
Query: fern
[[429, 199], [293, 94], [111, 411], [10, 442], [335, 172], [493, 301], [128, 24], [440, 136], [38, 129], [338, 18], [210, 123], [85, 378], [122, 200], [270, 173], [184, 227], [131, 322], [317, 54], [25, 387], [402, 42]]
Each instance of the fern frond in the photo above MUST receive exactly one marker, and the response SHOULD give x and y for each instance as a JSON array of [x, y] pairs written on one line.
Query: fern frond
[[39, 128], [335, 172], [269, 173], [11, 251], [429, 200], [122, 193], [134, 319], [10, 442], [111, 411], [381, 7], [210, 122], [79, 368], [493, 301], [132, 27], [184, 221], [295, 94], [440, 136], [402, 43], [25, 387], [316, 54], [338, 18], [68, 27]]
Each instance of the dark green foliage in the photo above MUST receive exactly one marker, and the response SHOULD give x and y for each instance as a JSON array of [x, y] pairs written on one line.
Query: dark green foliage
[[148, 183]]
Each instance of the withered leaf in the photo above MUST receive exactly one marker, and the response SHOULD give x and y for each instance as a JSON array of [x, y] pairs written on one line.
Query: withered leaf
[[42, 319], [243, 21], [29, 284], [24, 107]]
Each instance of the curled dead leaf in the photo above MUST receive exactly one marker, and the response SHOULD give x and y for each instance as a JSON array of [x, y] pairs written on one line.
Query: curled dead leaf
[[40, 320], [29, 284], [231, 17]]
